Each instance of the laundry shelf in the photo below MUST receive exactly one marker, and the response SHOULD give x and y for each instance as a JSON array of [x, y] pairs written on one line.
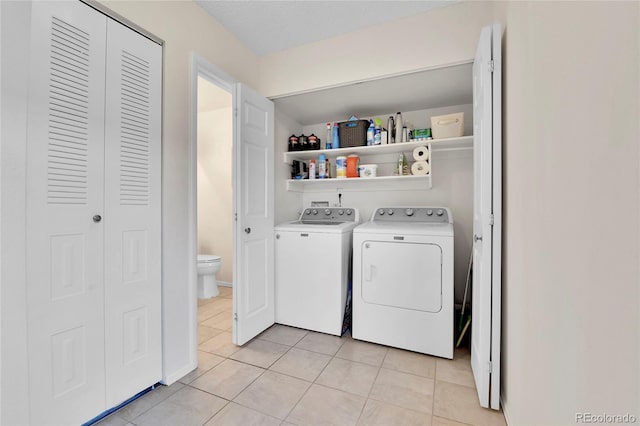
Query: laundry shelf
[[448, 144], [381, 183]]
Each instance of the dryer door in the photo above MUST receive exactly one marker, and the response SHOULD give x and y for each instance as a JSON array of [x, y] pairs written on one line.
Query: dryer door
[[402, 275]]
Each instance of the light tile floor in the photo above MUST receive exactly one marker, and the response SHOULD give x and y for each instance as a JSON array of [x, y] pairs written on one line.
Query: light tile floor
[[289, 376]]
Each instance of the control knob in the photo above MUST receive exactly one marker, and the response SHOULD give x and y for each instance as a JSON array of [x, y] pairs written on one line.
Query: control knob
[[307, 211], [429, 212], [327, 212], [349, 212], [340, 212], [440, 212], [409, 212], [390, 211], [315, 211], [381, 212]]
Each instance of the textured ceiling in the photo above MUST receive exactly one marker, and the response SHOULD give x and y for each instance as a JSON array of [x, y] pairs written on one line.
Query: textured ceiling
[[270, 26]]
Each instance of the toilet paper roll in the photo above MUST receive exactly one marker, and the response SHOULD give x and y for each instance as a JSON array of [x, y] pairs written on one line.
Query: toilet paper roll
[[420, 168], [421, 153]]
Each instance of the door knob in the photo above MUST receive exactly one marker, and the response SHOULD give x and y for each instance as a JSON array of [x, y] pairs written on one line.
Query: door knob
[[97, 218], [477, 238], [247, 230]]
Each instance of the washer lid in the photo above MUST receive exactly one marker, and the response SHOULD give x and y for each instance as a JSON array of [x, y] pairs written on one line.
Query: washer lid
[[318, 227], [209, 258], [421, 229]]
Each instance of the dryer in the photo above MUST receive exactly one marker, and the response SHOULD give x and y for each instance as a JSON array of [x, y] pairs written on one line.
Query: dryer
[[403, 279], [313, 268]]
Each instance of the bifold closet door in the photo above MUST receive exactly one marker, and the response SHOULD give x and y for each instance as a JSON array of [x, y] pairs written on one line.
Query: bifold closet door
[[132, 213], [65, 169]]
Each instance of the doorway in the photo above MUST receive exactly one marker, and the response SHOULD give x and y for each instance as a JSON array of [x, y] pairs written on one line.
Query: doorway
[[211, 197], [253, 208], [214, 176]]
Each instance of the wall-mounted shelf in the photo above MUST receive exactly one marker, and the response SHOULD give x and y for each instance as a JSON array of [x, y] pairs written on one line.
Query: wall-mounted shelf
[[449, 144], [380, 183]]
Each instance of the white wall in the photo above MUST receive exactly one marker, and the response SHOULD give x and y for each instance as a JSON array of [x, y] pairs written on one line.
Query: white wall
[[438, 37], [185, 28], [287, 204], [215, 195], [572, 209]]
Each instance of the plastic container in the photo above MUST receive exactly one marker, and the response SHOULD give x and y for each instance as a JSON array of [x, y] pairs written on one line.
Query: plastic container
[[322, 168], [313, 141], [335, 137], [312, 169], [341, 167], [448, 126], [327, 144], [377, 132], [371, 130], [353, 161], [368, 170], [398, 130]]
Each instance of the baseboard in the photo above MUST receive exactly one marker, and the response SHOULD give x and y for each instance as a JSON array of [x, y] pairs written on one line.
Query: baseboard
[[224, 284], [177, 375], [505, 412]]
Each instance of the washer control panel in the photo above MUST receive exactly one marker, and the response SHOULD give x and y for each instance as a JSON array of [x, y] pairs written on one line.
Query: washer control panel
[[412, 214], [330, 214]]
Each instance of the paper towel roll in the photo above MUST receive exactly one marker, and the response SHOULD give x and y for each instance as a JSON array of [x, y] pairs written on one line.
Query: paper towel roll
[[421, 153], [420, 168]]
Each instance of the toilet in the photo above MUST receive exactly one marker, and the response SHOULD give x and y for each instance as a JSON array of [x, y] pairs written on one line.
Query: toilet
[[208, 266]]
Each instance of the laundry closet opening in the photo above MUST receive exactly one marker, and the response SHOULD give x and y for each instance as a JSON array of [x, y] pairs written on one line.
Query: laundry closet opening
[[215, 210]]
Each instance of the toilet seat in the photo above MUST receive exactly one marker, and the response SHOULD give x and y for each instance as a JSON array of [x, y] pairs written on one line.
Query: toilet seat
[[208, 258]]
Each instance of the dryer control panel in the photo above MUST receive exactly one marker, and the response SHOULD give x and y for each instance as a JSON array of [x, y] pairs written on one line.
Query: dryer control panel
[[412, 214], [329, 215]]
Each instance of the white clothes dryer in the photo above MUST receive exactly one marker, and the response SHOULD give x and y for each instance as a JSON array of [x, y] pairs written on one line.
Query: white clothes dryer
[[313, 268], [403, 279]]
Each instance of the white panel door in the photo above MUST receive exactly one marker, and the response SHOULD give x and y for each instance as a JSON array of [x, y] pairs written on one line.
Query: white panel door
[[485, 326], [253, 266], [65, 150], [132, 213]]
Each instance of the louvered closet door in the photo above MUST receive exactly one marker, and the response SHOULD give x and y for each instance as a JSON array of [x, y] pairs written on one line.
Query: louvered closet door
[[132, 213], [65, 162]]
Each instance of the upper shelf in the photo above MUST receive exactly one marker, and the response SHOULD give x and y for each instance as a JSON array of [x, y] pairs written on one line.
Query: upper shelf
[[449, 144]]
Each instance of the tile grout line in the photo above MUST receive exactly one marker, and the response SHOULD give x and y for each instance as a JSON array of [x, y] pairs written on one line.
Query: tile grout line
[[372, 386], [217, 412], [314, 380]]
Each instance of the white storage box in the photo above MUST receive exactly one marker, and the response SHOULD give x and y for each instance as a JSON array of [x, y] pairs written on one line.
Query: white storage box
[[447, 126]]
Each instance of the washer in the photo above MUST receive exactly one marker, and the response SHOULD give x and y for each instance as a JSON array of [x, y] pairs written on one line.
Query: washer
[[403, 279], [313, 268]]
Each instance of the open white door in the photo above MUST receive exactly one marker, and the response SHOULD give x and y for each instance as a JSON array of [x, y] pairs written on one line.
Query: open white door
[[487, 207], [253, 264]]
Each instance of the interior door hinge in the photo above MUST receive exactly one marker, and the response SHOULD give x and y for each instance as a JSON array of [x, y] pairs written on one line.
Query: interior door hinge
[[235, 217], [491, 65], [490, 367], [235, 316], [491, 220]]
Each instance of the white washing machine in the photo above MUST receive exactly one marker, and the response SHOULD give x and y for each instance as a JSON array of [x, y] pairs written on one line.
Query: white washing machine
[[313, 268], [403, 279]]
